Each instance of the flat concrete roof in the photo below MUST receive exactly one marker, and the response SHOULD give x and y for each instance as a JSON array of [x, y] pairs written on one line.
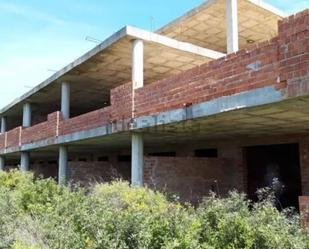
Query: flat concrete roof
[[108, 65], [205, 25]]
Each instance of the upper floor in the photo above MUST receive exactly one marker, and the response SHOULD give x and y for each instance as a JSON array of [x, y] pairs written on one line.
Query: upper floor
[[136, 73]]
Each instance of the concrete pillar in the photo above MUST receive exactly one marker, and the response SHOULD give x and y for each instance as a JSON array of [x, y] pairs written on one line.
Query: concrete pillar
[[232, 26], [137, 171], [24, 161], [137, 63], [3, 124], [63, 165], [2, 163], [27, 115], [65, 100]]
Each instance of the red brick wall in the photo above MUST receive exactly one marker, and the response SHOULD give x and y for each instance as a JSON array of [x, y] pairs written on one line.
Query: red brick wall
[[282, 61], [304, 211], [121, 102], [86, 121], [86, 173], [2, 141], [45, 170], [225, 76], [239, 170], [13, 137], [42, 130], [294, 53], [191, 178]]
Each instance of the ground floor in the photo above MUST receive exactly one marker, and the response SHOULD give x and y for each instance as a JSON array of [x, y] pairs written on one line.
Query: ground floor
[[186, 152], [188, 168]]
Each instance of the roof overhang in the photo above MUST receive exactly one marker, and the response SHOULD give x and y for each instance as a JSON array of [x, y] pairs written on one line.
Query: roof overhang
[[205, 25], [109, 64]]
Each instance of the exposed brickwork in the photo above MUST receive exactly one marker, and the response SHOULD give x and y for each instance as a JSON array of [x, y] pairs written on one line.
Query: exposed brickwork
[[121, 102], [191, 178], [45, 170], [42, 130], [304, 211], [13, 137], [294, 53], [281, 62], [86, 173], [304, 164], [2, 141], [235, 73], [86, 121], [239, 169]]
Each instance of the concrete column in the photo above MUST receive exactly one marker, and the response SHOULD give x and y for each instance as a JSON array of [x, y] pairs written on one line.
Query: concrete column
[[24, 161], [65, 100], [63, 165], [137, 63], [2, 163], [27, 115], [3, 124], [232, 26], [137, 171]]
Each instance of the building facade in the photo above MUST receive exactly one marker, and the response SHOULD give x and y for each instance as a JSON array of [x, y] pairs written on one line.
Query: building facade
[[216, 100]]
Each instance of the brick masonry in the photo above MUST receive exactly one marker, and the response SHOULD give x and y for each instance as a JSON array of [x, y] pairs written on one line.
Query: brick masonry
[[42, 130], [86, 121], [304, 210], [282, 62], [192, 178], [235, 73], [87, 173], [293, 42], [304, 163]]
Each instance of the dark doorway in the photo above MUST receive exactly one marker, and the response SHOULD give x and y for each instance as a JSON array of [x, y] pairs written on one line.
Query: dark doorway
[[276, 165]]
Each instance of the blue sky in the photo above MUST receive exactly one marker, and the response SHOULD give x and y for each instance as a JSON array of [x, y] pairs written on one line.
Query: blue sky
[[38, 36]]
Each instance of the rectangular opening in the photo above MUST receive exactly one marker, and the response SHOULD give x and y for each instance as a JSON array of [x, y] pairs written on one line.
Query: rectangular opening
[[103, 159], [211, 153], [277, 166], [163, 154], [124, 158]]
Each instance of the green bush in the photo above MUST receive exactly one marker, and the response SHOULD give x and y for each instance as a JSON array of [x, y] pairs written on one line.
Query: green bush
[[36, 213]]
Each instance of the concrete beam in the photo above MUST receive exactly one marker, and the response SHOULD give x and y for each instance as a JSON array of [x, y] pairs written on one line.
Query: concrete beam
[[3, 124], [232, 26], [137, 160], [137, 63], [63, 165], [2, 163], [155, 38], [65, 100], [27, 114], [252, 98], [24, 161]]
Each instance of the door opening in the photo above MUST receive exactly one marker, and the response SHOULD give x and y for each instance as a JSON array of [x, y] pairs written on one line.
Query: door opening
[[276, 165]]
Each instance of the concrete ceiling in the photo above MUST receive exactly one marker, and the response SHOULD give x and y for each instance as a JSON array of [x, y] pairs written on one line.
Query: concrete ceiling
[[205, 25], [289, 117], [109, 65]]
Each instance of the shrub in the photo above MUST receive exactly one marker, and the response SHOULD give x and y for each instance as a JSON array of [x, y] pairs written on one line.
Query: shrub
[[37, 213]]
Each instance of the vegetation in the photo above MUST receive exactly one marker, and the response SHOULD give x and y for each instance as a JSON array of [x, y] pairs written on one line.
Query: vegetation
[[36, 214]]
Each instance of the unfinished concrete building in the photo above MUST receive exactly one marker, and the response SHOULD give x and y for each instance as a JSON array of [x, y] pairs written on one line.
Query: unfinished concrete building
[[218, 99]]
